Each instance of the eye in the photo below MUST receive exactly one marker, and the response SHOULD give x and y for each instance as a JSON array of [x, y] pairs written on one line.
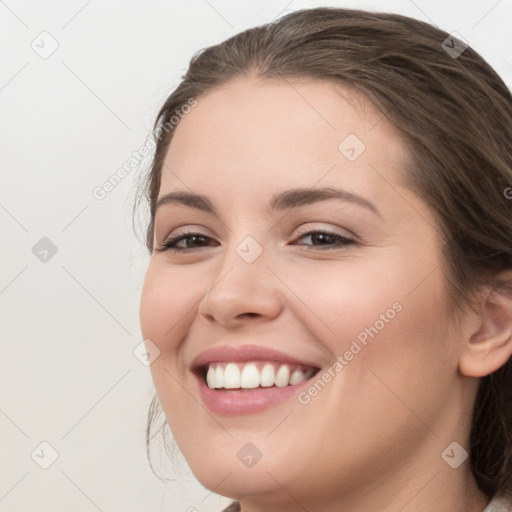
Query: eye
[[327, 240], [193, 240]]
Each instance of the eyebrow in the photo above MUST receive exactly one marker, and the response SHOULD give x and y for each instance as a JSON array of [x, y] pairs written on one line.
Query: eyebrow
[[288, 199]]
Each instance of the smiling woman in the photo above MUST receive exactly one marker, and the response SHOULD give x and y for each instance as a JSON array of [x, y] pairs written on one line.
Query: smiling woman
[[330, 222]]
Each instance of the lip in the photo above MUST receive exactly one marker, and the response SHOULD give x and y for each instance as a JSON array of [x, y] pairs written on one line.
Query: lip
[[235, 402]]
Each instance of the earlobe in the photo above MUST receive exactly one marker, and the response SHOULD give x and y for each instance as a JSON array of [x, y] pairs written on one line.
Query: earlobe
[[490, 347]]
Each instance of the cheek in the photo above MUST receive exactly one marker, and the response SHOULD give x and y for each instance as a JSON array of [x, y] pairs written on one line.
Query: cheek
[[396, 361], [392, 322], [164, 321], [408, 358], [164, 304], [167, 306], [347, 300]]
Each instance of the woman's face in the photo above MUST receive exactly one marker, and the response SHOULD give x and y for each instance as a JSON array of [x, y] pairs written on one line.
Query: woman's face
[[368, 315]]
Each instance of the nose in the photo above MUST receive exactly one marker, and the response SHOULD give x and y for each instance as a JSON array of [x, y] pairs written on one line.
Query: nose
[[241, 292]]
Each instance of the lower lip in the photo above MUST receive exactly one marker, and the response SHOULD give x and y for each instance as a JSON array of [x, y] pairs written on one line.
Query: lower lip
[[229, 402]]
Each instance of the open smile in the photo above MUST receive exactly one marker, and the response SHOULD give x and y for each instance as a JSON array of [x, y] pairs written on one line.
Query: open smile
[[246, 379]]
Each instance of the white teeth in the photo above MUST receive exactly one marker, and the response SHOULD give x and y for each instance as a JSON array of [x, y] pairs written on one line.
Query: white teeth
[[296, 377], [219, 376], [249, 376], [231, 376], [282, 376], [210, 377], [267, 376]]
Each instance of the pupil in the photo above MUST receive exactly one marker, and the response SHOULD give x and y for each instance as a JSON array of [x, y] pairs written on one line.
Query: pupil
[[321, 236], [193, 239]]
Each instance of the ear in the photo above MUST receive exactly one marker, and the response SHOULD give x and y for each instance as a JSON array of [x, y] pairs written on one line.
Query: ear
[[490, 346]]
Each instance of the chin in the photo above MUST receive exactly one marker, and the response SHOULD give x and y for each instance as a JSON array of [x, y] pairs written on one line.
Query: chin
[[224, 471]]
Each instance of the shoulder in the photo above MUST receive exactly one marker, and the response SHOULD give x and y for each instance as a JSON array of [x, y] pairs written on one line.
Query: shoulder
[[499, 504]]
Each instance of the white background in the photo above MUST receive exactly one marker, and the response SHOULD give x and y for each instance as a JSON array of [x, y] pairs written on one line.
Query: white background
[[69, 325]]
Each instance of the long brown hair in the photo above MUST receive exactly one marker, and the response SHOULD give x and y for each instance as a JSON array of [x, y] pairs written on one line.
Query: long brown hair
[[455, 115]]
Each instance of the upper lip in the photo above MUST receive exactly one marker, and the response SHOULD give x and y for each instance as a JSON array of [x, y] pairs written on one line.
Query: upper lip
[[246, 353]]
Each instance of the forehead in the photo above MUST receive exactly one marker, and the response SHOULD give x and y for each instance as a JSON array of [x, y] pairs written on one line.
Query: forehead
[[287, 132]]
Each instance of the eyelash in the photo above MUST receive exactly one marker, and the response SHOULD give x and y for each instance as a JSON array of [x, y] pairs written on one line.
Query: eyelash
[[341, 241]]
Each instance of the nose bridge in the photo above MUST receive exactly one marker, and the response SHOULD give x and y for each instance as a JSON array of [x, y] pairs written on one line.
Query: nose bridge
[[244, 249], [242, 283], [243, 261]]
